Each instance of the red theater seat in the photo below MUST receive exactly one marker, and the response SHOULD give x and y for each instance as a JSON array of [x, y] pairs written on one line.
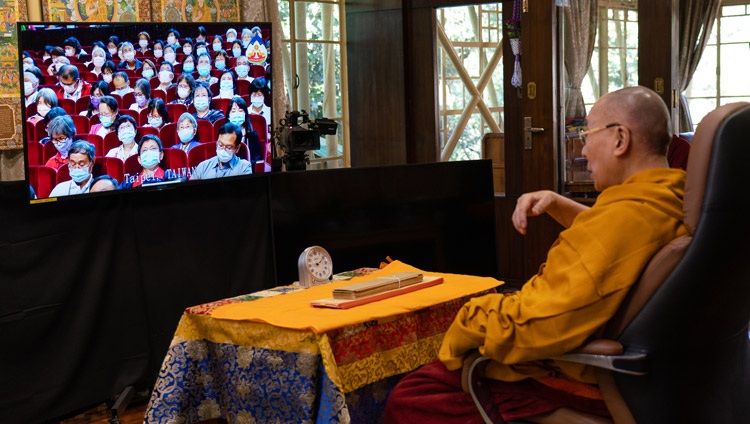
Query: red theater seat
[[68, 104], [110, 142], [43, 179], [131, 113], [82, 104], [49, 150], [82, 123], [205, 131], [94, 139], [208, 150], [148, 131], [35, 152], [127, 100], [30, 132], [168, 135], [110, 166], [175, 110]]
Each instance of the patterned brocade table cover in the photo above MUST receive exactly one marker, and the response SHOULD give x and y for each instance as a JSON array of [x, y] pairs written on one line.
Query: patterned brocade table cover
[[254, 372]]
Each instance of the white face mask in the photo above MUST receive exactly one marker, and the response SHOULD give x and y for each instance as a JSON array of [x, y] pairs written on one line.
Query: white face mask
[[107, 78], [187, 49], [70, 52], [257, 101], [147, 73], [170, 39], [217, 47], [129, 56], [165, 77], [183, 92], [169, 57], [98, 61], [28, 88], [42, 109], [112, 50], [158, 53], [70, 89], [231, 38], [143, 43]]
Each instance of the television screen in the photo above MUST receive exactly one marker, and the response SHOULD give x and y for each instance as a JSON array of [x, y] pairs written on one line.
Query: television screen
[[125, 108]]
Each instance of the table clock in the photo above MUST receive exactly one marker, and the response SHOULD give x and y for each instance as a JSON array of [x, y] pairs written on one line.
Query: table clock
[[315, 266]]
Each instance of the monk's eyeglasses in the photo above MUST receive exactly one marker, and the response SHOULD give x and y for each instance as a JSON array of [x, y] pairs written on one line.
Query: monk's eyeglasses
[[583, 134]]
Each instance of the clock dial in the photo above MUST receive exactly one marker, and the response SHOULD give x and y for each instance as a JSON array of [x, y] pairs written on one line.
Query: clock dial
[[315, 265]]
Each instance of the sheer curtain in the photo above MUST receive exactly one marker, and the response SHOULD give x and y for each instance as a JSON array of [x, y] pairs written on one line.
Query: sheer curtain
[[581, 18], [696, 20]]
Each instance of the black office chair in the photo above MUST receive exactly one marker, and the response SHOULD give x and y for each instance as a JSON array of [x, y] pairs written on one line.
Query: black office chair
[[678, 350]]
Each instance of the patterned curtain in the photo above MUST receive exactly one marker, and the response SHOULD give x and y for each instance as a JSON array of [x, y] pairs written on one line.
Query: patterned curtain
[[581, 17], [696, 20]]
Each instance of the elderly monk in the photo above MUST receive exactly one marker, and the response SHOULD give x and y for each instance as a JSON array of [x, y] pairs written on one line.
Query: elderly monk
[[588, 271]]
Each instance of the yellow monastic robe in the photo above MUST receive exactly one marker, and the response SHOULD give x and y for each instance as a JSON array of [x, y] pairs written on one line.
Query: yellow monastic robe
[[587, 274]]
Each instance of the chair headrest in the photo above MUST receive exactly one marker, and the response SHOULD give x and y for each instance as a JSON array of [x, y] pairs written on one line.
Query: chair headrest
[[699, 160]]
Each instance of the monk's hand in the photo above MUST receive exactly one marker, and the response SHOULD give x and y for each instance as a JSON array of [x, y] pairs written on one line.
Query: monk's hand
[[532, 204]]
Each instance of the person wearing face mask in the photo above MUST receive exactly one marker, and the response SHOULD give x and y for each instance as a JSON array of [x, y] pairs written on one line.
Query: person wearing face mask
[[258, 100], [143, 41], [142, 93], [202, 104], [166, 75], [71, 85], [27, 61], [204, 70], [242, 68], [122, 83], [61, 131], [80, 164], [187, 128], [226, 163], [108, 114], [158, 49], [108, 71], [45, 100], [58, 60], [185, 87], [231, 35], [200, 48], [98, 89], [112, 42], [187, 46], [246, 37], [148, 69], [150, 154], [173, 38], [129, 61], [52, 114], [72, 48], [227, 85], [217, 44], [125, 126], [236, 49], [158, 115], [98, 58], [237, 114], [31, 78], [188, 64], [221, 59], [169, 54]]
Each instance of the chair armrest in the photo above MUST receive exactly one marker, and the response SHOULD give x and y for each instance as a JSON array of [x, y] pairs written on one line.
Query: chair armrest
[[608, 354], [473, 382]]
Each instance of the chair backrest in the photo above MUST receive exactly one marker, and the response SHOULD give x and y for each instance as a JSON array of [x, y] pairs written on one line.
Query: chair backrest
[[43, 179], [260, 125], [40, 129], [35, 150], [205, 131], [110, 142], [689, 313], [177, 161], [82, 103], [168, 135], [175, 110], [48, 150], [82, 123], [68, 104], [94, 139], [200, 153], [127, 100], [131, 113], [110, 166]]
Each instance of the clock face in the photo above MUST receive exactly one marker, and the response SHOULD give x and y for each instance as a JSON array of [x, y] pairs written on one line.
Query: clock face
[[315, 266], [319, 263]]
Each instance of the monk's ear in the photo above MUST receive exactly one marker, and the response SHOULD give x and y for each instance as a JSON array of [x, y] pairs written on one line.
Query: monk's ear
[[623, 140]]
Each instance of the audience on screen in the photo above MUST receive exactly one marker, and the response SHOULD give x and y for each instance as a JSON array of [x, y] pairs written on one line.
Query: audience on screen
[[110, 66], [80, 164], [226, 163]]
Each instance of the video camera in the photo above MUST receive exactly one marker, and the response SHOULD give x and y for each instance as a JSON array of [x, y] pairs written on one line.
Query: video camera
[[298, 134]]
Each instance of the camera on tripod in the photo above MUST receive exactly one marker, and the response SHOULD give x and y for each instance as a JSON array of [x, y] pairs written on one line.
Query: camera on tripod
[[297, 134]]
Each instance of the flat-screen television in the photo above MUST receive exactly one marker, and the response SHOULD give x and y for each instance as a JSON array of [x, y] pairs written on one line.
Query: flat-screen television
[[119, 107]]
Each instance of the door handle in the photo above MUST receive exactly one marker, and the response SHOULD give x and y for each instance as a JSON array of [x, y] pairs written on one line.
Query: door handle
[[527, 131]]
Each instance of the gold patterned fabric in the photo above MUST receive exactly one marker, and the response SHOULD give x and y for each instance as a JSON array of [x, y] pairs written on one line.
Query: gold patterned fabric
[[254, 372]]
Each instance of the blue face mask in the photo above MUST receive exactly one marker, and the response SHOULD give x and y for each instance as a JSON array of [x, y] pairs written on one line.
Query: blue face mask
[[237, 118], [185, 134], [79, 175], [148, 73], [188, 67], [204, 70], [223, 155], [106, 121], [237, 52], [226, 85], [220, 65], [201, 103], [150, 158], [242, 70]]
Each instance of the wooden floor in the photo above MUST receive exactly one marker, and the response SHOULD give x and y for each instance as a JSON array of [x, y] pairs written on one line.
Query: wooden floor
[[101, 415]]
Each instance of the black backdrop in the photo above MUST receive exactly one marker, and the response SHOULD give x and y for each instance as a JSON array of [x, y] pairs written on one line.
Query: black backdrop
[[91, 290]]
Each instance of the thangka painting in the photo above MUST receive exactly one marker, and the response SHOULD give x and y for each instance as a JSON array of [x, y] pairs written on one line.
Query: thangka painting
[[200, 11], [96, 10], [8, 49], [11, 132]]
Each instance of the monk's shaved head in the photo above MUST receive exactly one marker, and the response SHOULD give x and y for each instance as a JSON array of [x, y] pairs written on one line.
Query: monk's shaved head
[[643, 112]]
